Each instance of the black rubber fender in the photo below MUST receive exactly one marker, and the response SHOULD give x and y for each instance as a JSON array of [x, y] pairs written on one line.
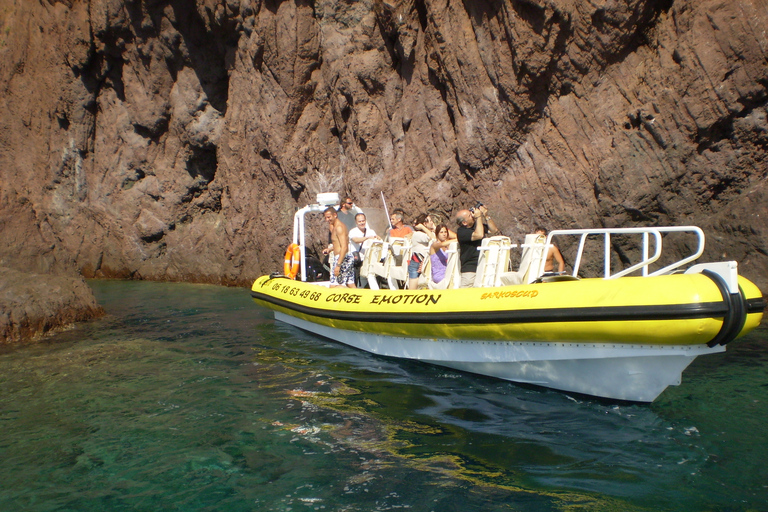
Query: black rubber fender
[[734, 319]]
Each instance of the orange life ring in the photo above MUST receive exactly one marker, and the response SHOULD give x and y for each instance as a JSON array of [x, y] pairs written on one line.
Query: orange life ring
[[292, 258]]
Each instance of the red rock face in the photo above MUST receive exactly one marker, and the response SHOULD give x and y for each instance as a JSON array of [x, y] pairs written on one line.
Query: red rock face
[[155, 140]]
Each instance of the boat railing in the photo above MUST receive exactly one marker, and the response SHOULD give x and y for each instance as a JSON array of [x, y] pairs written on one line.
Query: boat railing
[[650, 236]]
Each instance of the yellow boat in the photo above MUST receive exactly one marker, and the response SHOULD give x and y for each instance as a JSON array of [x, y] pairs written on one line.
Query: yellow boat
[[619, 336]]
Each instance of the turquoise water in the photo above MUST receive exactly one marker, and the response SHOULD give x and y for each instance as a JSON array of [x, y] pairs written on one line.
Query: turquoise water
[[192, 398]]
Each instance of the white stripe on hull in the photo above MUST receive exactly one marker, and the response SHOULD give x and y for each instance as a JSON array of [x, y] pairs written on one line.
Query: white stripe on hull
[[624, 372]]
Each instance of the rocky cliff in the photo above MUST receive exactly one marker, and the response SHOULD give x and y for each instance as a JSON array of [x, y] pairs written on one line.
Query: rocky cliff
[[172, 140]]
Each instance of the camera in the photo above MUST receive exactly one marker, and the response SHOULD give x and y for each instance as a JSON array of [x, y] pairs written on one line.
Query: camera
[[478, 205]]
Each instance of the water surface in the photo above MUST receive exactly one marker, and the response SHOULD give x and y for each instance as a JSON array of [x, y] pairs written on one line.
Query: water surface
[[189, 397]]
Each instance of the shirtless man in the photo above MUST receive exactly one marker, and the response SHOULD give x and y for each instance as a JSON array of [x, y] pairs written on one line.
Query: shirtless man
[[340, 259], [552, 254]]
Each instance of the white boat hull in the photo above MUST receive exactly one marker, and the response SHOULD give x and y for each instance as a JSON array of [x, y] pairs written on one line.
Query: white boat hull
[[636, 372]]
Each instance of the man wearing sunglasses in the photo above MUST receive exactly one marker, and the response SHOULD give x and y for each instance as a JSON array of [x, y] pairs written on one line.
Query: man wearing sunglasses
[[346, 214]]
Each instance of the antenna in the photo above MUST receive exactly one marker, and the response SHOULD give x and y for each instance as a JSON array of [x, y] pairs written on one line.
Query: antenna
[[386, 210]]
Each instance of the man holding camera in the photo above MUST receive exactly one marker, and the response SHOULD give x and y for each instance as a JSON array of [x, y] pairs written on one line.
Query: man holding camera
[[474, 225]]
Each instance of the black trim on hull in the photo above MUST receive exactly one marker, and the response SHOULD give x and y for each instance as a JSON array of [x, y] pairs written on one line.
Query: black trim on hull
[[755, 305], [587, 314]]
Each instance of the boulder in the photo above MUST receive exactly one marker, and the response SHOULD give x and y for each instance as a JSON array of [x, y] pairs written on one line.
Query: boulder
[[32, 305]]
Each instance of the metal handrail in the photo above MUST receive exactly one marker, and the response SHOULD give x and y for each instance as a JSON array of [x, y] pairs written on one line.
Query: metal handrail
[[699, 251], [647, 260]]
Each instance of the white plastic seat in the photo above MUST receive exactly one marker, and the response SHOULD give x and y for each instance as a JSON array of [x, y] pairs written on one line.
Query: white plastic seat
[[531, 261], [396, 263], [493, 261], [374, 252], [426, 273]]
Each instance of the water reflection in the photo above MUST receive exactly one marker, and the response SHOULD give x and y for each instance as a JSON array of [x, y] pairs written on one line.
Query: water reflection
[[550, 438]]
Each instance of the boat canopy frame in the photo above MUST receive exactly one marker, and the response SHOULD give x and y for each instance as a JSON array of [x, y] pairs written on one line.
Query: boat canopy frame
[[299, 234]]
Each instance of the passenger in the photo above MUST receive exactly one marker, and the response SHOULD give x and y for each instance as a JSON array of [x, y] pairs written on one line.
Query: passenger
[[435, 219], [339, 258], [346, 214], [398, 229], [552, 254], [474, 225], [437, 255], [400, 211], [359, 234], [426, 224], [421, 239]]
